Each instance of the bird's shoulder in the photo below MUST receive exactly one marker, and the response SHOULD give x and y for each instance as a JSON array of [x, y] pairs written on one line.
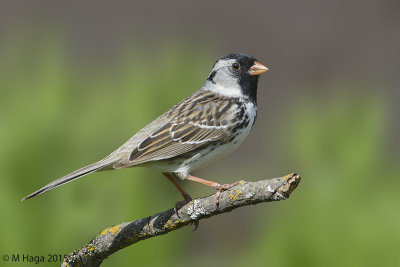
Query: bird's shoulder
[[204, 107]]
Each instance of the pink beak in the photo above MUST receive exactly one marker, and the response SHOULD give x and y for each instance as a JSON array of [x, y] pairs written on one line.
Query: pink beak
[[258, 68]]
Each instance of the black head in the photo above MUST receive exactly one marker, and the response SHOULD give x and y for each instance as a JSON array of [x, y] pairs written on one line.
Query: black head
[[238, 75]]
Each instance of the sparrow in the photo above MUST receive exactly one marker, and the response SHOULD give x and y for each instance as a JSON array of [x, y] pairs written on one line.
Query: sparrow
[[202, 128]]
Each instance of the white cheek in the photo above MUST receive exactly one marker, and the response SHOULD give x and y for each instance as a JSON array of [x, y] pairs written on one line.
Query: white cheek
[[224, 84], [231, 91]]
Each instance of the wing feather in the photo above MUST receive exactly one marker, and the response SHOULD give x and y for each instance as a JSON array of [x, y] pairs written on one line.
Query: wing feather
[[194, 122]]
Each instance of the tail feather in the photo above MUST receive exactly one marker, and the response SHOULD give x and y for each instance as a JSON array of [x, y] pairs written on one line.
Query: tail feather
[[72, 176]]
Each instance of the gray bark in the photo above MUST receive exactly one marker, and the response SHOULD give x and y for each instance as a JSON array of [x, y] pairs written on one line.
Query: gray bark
[[122, 235]]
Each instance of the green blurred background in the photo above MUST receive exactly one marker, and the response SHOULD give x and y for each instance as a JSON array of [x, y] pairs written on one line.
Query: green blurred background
[[78, 78]]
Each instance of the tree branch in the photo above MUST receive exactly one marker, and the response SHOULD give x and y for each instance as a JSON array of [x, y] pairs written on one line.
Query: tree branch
[[122, 235]]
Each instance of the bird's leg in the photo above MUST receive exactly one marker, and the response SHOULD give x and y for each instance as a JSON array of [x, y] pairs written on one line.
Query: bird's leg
[[219, 187], [185, 195]]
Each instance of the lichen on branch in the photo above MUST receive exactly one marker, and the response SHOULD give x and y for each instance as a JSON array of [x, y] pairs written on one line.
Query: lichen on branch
[[112, 239]]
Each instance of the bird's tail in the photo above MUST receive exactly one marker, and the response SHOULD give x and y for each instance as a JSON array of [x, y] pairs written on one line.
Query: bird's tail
[[102, 164]]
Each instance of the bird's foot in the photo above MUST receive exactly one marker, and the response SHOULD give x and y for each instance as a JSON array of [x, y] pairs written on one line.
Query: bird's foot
[[180, 204], [220, 188]]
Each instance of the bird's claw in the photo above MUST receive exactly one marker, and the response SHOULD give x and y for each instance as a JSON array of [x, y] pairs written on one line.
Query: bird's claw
[[178, 205], [220, 188], [196, 225]]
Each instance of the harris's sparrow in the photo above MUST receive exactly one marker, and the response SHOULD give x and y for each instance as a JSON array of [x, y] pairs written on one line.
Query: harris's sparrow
[[206, 126]]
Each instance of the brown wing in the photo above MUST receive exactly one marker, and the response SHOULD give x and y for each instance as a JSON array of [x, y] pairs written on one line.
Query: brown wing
[[197, 121]]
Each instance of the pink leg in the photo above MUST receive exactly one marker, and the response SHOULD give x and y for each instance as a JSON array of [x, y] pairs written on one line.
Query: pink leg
[[183, 192], [215, 185], [185, 195]]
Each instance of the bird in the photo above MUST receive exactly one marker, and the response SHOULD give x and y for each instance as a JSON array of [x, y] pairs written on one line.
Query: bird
[[205, 126]]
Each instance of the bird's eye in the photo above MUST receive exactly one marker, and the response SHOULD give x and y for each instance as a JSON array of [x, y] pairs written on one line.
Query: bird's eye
[[235, 66]]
